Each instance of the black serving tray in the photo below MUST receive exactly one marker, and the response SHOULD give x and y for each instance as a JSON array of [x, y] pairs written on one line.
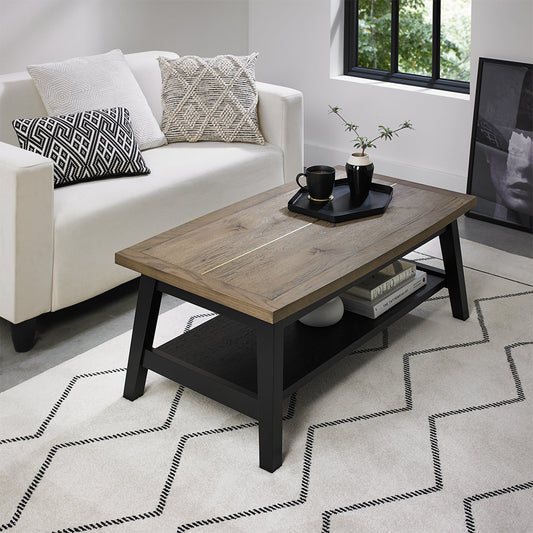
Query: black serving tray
[[340, 207]]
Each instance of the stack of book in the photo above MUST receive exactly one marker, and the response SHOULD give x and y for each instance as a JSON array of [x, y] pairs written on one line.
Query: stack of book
[[382, 290]]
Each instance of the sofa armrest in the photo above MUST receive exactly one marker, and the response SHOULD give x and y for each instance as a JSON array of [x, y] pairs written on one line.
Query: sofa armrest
[[280, 112], [26, 233]]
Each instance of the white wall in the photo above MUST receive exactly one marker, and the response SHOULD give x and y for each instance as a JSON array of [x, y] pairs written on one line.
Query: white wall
[[300, 45], [35, 31]]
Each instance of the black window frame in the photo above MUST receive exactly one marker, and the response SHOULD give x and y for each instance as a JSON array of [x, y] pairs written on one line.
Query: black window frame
[[351, 27]]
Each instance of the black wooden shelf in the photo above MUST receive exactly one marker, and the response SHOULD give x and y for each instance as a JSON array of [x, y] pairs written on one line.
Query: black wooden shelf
[[221, 353]]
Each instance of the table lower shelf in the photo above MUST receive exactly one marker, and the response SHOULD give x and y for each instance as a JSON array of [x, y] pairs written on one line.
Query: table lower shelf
[[218, 357]]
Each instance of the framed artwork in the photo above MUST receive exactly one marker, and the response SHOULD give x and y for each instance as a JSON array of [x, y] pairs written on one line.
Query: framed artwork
[[500, 171]]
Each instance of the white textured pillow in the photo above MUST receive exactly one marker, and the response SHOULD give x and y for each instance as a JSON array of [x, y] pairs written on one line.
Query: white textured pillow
[[210, 99], [97, 82]]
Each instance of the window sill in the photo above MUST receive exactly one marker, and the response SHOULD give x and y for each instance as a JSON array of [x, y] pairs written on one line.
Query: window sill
[[402, 87]]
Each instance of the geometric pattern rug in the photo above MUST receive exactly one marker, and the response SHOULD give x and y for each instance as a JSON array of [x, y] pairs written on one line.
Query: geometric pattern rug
[[426, 428]]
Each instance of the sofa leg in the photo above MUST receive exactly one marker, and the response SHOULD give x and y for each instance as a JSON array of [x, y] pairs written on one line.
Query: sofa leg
[[24, 335]]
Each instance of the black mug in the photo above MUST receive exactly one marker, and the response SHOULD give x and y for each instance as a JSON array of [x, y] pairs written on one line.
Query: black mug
[[319, 182]]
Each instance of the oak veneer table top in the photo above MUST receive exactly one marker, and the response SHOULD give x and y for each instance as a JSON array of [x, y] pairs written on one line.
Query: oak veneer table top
[[259, 258]]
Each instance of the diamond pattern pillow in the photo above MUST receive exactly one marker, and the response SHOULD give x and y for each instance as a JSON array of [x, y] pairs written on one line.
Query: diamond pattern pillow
[[210, 99], [84, 146], [97, 82]]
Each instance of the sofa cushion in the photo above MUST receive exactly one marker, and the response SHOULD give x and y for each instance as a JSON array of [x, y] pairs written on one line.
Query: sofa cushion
[[84, 146], [210, 99], [145, 68], [97, 82], [98, 218]]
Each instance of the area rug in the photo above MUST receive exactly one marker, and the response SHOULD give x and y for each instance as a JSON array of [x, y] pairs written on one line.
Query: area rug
[[428, 427]]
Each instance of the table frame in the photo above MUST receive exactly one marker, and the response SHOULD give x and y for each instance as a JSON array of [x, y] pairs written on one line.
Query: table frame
[[277, 374]]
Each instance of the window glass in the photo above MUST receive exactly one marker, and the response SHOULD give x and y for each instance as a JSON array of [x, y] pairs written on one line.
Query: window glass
[[374, 31], [455, 40], [415, 37]]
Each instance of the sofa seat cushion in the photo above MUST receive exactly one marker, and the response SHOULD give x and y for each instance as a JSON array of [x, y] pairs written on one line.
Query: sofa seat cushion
[[93, 220]]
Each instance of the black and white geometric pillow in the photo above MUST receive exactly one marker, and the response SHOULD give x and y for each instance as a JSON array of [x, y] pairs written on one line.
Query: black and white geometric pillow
[[84, 146]]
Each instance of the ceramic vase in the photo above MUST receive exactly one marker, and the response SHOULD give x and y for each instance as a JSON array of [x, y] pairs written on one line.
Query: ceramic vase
[[326, 315], [359, 171]]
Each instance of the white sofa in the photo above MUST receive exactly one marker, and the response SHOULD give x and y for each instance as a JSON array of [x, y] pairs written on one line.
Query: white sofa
[[57, 246]]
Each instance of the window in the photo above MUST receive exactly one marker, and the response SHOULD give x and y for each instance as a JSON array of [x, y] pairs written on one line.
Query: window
[[416, 42]]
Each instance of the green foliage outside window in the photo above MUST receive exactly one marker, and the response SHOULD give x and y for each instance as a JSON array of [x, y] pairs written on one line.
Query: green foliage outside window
[[415, 37]]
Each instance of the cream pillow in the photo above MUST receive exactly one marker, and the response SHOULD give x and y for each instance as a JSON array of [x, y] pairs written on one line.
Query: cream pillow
[[97, 82], [210, 99]]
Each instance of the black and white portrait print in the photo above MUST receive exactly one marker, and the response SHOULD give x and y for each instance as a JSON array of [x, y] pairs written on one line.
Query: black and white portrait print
[[501, 158]]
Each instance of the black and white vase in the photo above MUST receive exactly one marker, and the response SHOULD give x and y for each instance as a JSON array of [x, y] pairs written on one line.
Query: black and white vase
[[359, 171]]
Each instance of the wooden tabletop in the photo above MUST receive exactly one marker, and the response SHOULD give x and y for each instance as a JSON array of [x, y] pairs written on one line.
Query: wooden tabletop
[[259, 258]]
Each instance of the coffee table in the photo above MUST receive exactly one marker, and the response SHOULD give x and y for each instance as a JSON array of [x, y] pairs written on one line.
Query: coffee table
[[261, 267]]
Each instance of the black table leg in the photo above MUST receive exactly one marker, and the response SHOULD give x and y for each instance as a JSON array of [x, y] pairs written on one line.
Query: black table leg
[[453, 265], [146, 314], [270, 395]]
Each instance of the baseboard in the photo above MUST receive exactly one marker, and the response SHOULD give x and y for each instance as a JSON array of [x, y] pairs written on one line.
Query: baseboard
[[315, 155]]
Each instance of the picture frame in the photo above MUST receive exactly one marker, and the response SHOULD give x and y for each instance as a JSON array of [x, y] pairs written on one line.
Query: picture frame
[[500, 170]]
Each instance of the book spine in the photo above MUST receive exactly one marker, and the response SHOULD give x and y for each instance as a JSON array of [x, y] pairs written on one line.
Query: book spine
[[373, 310], [397, 296], [388, 285]]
